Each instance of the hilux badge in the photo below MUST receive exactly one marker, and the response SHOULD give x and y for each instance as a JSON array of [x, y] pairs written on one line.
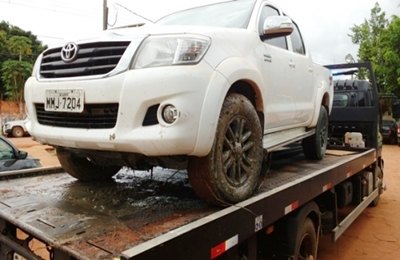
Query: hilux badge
[[69, 52]]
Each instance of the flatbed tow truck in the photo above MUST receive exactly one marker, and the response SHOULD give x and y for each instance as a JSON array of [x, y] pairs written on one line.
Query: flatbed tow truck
[[155, 215]]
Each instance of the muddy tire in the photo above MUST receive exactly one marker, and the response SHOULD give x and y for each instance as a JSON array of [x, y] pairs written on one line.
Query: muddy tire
[[314, 147], [17, 131], [306, 241], [82, 168], [231, 171]]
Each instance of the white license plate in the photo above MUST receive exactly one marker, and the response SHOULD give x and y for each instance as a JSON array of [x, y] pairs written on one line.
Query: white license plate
[[64, 100]]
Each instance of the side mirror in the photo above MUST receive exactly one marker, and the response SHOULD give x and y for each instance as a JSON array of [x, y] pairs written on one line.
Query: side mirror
[[22, 155], [277, 26]]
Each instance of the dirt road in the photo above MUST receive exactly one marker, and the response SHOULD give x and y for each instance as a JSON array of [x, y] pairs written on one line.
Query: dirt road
[[374, 235]]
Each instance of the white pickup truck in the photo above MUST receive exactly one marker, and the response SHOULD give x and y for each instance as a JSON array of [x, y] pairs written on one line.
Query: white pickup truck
[[210, 89]]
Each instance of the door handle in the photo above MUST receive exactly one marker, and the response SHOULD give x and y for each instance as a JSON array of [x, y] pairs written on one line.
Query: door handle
[[292, 65]]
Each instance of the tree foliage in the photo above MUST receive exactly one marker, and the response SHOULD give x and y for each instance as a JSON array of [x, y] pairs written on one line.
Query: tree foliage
[[10, 31], [14, 74], [20, 45], [18, 50], [367, 36], [379, 42], [390, 46]]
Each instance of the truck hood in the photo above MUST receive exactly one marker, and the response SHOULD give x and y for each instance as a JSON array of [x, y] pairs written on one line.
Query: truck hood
[[225, 42], [134, 33]]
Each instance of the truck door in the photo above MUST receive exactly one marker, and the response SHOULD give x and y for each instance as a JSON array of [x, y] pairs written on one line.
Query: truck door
[[302, 78], [279, 96]]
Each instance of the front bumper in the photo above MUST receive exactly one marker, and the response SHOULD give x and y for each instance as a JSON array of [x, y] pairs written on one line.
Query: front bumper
[[185, 87]]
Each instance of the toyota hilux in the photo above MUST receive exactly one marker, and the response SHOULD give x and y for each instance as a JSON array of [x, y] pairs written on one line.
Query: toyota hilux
[[211, 89]]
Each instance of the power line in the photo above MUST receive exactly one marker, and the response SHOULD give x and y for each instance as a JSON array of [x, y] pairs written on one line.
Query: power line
[[129, 10]]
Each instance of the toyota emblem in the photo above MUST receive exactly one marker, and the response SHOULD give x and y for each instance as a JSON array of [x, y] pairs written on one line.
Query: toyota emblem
[[69, 52]]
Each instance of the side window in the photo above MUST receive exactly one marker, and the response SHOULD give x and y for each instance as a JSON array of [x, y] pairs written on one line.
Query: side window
[[340, 100], [6, 151], [297, 41], [266, 12]]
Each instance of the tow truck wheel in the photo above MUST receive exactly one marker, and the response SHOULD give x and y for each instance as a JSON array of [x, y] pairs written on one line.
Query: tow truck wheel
[[314, 147], [17, 131], [231, 171], [82, 168], [306, 242]]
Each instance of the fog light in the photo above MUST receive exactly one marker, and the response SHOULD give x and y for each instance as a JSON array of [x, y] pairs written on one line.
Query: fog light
[[169, 114]]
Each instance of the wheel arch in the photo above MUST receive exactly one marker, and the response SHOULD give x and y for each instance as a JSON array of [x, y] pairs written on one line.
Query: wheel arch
[[294, 222], [231, 76], [245, 78], [326, 101], [251, 91]]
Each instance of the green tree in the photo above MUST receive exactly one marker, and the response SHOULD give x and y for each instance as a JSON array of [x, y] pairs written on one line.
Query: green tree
[[3, 41], [20, 45], [390, 48], [14, 75], [10, 30], [20, 50], [367, 35]]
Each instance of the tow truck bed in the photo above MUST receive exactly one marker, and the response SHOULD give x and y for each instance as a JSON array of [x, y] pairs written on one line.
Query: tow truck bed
[[156, 215]]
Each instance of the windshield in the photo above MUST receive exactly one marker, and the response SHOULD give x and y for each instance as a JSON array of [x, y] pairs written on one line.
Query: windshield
[[232, 14]]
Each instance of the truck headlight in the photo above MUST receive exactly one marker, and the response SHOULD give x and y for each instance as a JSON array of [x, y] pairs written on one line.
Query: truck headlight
[[169, 50]]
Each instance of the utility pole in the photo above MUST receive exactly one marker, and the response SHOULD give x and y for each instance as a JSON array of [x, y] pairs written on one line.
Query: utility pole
[[105, 15]]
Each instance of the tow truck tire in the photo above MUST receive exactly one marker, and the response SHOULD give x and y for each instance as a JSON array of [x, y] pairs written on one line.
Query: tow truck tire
[[314, 147], [82, 168], [17, 131], [306, 241], [231, 171]]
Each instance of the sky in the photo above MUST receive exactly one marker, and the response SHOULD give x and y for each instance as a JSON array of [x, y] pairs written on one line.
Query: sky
[[325, 25]]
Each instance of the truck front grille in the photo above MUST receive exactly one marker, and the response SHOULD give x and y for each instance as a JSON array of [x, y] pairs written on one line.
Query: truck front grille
[[94, 116], [92, 59]]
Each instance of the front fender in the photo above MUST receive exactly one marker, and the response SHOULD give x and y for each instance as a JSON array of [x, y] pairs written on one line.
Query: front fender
[[226, 74]]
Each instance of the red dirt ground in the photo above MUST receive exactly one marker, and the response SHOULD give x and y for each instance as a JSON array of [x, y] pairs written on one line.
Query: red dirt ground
[[374, 235]]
